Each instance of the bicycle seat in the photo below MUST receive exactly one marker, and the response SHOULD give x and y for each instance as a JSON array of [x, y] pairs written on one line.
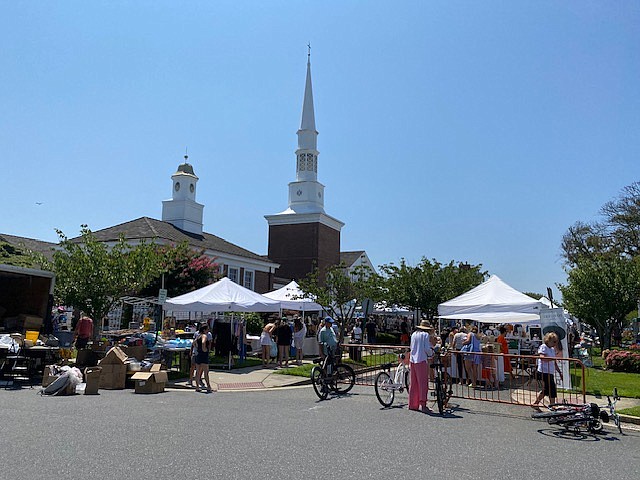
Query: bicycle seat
[[317, 360]]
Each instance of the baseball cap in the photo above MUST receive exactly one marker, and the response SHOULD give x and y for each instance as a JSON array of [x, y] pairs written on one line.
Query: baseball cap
[[328, 319]]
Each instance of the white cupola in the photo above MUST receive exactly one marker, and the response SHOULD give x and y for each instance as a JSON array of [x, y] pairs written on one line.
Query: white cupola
[[182, 210]]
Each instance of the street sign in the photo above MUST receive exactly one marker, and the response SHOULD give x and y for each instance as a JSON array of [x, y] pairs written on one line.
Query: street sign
[[162, 296], [367, 306]]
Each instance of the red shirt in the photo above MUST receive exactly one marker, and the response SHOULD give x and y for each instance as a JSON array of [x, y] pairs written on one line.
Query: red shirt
[[85, 327]]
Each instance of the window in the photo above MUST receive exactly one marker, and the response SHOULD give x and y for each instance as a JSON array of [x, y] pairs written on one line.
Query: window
[[233, 274], [248, 279]]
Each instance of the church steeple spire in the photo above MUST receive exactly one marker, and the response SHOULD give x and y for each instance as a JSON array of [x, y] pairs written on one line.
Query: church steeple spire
[[308, 117]]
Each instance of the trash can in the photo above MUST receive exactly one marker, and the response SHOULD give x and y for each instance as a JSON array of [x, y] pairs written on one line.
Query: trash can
[[355, 352], [92, 379]]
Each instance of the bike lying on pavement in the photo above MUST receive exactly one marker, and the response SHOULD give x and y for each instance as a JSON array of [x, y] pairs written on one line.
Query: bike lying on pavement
[[386, 388], [330, 375], [588, 416]]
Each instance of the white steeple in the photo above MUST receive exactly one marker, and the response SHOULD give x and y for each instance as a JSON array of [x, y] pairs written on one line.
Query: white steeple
[[306, 194], [182, 210]]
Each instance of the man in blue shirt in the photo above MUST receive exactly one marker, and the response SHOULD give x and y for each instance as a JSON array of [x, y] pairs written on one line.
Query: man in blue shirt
[[328, 337]]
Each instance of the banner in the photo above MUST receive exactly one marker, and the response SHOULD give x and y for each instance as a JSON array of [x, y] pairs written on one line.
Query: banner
[[553, 320]]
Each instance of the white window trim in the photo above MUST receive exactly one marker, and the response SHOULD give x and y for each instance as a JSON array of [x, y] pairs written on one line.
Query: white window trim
[[253, 279], [237, 270]]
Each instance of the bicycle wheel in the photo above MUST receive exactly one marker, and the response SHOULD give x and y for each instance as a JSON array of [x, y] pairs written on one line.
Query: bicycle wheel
[[440, 394], [344, 378], [596, 426], [384, 389], [616, 420], [407, 378], [318, 380]]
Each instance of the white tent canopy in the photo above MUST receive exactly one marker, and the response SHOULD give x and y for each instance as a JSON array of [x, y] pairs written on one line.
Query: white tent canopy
[[222, 296], [492, 302], [292, 298]]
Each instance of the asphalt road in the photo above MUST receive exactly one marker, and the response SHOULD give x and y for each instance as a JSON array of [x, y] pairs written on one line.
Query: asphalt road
[[288, 434]]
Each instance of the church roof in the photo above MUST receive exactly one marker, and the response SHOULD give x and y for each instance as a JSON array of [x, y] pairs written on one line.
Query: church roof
[[39, 246], [349, 258], [150, 228]]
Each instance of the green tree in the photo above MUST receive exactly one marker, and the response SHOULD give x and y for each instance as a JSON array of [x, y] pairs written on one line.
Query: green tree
[[424, 286], [340, 291], [601, 291], [601, 258], [185, 270], [92, 276], [617, 233]]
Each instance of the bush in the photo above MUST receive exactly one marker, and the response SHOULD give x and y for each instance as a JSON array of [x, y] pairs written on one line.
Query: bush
[[254, 323], [623, 361]]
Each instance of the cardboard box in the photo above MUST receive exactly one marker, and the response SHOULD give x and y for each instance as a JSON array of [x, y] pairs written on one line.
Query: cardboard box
[[112, 377], [86, 358], [114, 356], [137, 352], [92, 379], [152, 381], [29, 322], [48, 379]]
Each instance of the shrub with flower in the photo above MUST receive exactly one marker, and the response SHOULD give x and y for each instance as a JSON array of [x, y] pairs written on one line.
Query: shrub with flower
[[623, 361]]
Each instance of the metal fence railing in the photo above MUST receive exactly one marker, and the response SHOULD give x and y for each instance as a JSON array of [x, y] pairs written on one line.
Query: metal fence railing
[[493, 377]]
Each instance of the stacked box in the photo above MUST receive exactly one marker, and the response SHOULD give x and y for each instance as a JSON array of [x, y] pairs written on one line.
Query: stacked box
[[114, 371]]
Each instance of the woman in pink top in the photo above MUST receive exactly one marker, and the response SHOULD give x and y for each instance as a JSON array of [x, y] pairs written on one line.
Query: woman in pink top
[[422, 342]]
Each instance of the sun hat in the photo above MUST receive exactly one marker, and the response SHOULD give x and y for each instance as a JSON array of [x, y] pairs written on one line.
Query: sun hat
[[557, 329], [425, 325]]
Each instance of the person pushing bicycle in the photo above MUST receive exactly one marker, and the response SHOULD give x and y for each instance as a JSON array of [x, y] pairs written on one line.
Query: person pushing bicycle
[[327, 336]]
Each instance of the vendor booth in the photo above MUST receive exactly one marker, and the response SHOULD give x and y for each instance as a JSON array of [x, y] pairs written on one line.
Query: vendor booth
[[496, 302], [291, 297], [224, 296]]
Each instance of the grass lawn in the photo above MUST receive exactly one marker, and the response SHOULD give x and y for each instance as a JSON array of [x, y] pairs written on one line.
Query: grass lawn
[[367, 361], [602, 382], [298, 371], [633, 411]]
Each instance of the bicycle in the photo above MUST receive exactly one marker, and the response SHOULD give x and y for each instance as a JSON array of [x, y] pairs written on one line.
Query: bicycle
[[577, 416], [329, 375], [385, 388], [441, 392]]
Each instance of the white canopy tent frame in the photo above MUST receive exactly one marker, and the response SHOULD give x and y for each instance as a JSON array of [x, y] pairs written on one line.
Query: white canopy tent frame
[[493, 301], [222, 296]]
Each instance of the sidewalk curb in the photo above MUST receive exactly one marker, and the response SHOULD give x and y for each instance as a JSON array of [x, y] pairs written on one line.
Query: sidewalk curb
[[629, 419]]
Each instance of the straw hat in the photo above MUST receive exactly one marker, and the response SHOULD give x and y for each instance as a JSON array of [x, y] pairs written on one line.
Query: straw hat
[[425, 325]]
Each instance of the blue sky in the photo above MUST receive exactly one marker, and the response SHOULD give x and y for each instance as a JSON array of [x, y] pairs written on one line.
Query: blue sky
[[473, 131]]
